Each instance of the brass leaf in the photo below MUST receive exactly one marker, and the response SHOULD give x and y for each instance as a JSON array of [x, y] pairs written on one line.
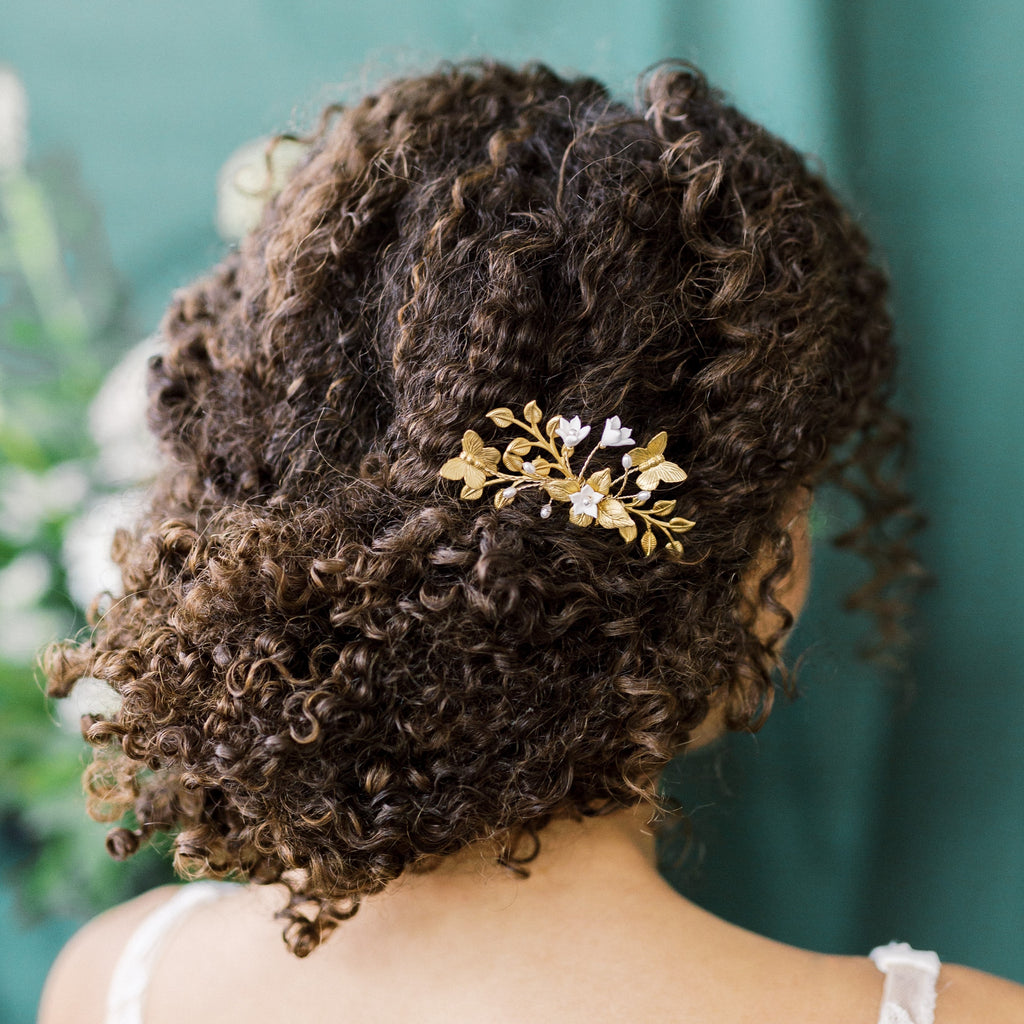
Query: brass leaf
[[501, 417], [628, 533], [681, 525], [561, 489], [663, 508], [648, 543], [532, 413], [612, 514], [601, 481]]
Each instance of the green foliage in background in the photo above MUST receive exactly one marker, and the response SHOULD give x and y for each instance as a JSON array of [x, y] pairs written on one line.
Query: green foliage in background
[[63, 322]]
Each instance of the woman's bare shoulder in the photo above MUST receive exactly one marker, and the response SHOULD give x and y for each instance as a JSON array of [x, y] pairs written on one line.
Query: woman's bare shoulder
[[76, 987], [967, 996], [850, 988]]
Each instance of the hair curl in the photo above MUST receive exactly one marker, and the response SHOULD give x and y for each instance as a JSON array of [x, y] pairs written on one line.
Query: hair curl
[[332, 669]]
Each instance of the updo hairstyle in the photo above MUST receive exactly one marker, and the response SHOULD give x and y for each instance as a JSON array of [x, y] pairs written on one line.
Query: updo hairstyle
[[333, 669]]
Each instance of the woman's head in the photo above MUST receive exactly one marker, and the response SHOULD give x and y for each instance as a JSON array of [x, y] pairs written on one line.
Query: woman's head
[[332, 667]]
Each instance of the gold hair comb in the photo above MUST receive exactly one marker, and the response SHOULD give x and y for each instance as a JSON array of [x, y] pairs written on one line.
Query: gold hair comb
[[596, 498]]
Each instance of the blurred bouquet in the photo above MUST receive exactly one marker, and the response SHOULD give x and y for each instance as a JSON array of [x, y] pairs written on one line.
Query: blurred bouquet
[[63, 474]]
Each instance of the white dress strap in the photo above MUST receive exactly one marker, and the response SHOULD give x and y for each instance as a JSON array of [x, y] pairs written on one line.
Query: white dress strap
[[908, 996], [135, 965]]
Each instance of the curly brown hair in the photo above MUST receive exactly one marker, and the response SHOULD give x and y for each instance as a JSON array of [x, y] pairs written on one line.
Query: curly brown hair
[[332, 669]]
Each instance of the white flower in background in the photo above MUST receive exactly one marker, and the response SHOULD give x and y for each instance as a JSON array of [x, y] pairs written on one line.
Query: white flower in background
[[615, 433], [29, 499], [24, 581], [246, 183], [13, 121], [89, 697], [571, 431], [25, 628], [117, 420], [87, 541], [585, 501]]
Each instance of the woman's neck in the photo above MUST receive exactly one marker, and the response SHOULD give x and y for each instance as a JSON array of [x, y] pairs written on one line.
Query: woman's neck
[[576, 858]]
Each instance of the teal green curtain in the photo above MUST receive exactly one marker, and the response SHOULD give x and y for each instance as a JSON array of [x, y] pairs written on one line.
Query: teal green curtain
[[870, 809]]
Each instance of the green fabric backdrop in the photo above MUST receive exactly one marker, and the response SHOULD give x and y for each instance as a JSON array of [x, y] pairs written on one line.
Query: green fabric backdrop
[[866, 811]]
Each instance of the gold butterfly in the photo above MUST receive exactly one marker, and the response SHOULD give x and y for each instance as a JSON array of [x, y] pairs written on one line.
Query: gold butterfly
[[474, 464], [653, 467]]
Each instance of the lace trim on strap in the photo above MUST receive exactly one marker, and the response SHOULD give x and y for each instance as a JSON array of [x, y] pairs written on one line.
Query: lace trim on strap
[[908, 996], [135, 965]]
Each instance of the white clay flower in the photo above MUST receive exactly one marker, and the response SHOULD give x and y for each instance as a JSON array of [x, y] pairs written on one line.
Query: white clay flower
[[586, 500], [571, 431], [615, 433]]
